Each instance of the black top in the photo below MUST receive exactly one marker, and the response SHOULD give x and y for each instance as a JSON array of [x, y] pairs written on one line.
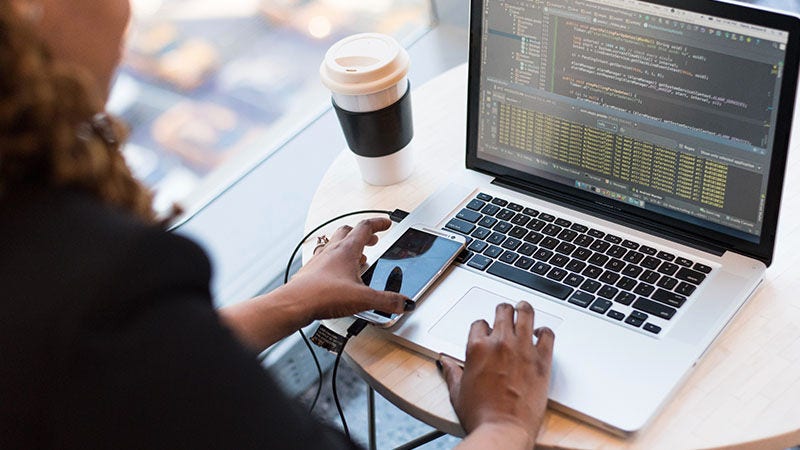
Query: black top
[[108, 339]]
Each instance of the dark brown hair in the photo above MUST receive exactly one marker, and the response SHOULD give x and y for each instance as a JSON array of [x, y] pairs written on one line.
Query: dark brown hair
[[44, 105]]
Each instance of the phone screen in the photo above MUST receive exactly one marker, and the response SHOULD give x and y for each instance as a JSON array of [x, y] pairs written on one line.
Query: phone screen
[[410, 263]]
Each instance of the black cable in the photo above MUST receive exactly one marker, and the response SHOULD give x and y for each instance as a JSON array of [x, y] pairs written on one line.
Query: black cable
[[353, 330], [302, 334]]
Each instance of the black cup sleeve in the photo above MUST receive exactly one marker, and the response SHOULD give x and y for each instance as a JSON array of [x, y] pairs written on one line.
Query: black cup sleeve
[[378, 133]]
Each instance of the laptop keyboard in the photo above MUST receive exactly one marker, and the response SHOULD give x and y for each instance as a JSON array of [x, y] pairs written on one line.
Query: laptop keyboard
[[606, 274]]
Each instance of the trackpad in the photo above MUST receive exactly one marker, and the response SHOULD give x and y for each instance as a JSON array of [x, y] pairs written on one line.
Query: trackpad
[[477, 304]]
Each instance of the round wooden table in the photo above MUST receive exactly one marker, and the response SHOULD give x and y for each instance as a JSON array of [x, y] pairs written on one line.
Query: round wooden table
[[744, 393]]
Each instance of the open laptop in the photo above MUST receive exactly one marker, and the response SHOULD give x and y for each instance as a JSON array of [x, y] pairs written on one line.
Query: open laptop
[[625, 162]]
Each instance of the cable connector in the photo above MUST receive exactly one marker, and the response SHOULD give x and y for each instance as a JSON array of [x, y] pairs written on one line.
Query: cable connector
[[398, 215], [356, 327]]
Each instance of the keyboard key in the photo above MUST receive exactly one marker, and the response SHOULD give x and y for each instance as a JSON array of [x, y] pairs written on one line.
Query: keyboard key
[[559, 260], [563, 223], [625, 298], [541, 268], [599, 259], [600, 246], [615, 264], [654, 308], [530, 280], [592, 271], [635, 319], [692, 276], [666, 256], [499, 201], [524, 263], [549, 243], [546, 217], [650, 277], [551, 230], [607, 292], [565, 248], [477, 246], [511, 243], [616, 315], [460, 226], [655, 329], [648, 250], [650, 263], [469, 215], [683, 262], [667, 283], [600, 306], [518, 232], [543, 254], [581, 299], [493, 251], [685, 288], [632, 271], [476, 205], [567, 235], [644, 289], [530, 212], [595, 233], [668, 268], [485, 197], [490, 210], [627, 283], [514, 207], [481, 233], [630, 244], [702, 268], [464, 256], [590, 286], [557, 274], [508, 257], [505, 214], [479, 262], [496, 238], [533, 237], [616, 251], [633, 257], [583, 240], [613, 239], [669, 298], [487, 222], [582, 254], [576, 265], [521, 220], [527, 249], [579, 228], [609, 277], [503, 227], [536, 225], [574, 280]]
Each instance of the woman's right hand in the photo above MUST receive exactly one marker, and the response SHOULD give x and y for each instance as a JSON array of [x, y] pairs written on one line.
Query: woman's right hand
[[502, 388]]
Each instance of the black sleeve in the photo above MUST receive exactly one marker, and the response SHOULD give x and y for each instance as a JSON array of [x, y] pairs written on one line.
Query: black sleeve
[[158, 370]]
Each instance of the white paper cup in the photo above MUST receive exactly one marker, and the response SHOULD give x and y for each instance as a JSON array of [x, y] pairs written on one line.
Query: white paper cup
[[367, 76]]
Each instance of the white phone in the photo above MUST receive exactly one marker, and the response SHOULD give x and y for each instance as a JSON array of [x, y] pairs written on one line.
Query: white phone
[[410, 266]]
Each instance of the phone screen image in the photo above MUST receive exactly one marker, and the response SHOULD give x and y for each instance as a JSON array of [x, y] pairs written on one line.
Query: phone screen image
[[410, 263]]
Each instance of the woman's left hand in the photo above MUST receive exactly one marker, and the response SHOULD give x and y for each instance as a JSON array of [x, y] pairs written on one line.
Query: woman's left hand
[[331, 281]]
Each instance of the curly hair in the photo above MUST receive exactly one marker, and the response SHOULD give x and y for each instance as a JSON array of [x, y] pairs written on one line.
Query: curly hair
[[43, 105]]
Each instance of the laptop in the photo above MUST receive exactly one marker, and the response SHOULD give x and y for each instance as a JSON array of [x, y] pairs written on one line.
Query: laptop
[[624, 160]]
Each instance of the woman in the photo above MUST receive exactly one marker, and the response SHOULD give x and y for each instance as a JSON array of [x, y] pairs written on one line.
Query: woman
[[108, 336]]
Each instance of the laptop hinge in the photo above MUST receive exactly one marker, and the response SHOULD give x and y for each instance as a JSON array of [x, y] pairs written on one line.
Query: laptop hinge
[[607, 212]]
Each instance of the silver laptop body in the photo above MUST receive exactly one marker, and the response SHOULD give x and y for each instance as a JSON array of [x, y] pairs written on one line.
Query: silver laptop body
[[652, 82]]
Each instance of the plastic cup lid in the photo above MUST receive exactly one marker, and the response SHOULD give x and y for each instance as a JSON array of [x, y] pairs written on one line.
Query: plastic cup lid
[[364, 64]]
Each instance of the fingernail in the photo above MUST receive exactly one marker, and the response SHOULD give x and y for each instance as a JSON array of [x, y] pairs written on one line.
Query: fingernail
[[409, 305], [439, 366]]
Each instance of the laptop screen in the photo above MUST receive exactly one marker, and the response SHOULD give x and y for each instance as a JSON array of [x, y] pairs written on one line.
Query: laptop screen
[[659, 108]]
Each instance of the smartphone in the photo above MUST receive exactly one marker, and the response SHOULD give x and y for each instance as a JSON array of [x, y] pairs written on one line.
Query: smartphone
[[411, 265]]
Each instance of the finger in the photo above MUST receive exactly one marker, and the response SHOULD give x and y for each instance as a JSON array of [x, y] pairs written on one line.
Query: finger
[[524, 326], [452, 373], [341, 233], [364, 232], [478, 329], [503, 320], [390, 302], [546, 339]]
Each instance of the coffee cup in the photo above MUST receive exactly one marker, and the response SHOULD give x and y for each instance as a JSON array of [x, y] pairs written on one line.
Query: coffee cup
[[367, 76]]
